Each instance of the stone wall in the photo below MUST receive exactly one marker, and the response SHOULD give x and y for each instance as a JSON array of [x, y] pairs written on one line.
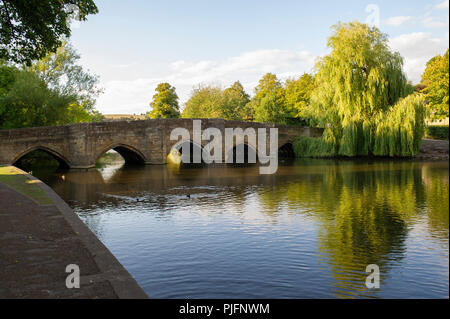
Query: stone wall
[[80, 145]]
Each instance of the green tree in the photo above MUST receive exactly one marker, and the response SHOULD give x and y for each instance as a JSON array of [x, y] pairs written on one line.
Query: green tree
[[205, 102], [359, 79], [7, 78], [32, 29], [269, 83], [51, 91], [165, 102], [7, 75], [235, 102], [269, 102], [399, 131], [62, 73], [271, 109], [298, 94], [436, 82], [29, 102], [214, 102]]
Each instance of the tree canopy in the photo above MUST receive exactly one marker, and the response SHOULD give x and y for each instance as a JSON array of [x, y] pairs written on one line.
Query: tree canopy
[[235, 103], [298, 94], [52, 91], [436, 82], [214, 102], [32, 29], [205, 102], [359, 81], [165, 102], [269, 103], [61, 72], [273, 101]]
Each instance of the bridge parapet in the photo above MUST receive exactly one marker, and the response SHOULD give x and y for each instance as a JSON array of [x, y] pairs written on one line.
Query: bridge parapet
[[80, 145]]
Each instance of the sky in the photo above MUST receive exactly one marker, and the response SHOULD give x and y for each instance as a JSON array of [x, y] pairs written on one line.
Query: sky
[[134, 45]]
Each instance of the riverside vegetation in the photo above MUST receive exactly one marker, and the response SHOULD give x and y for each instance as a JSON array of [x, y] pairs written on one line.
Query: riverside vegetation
[[358, 92]]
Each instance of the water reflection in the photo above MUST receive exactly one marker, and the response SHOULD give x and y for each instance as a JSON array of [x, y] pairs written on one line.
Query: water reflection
[[313, 227]]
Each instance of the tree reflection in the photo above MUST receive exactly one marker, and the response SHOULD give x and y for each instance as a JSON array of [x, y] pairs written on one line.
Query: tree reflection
[[436, 184], [364, 211]]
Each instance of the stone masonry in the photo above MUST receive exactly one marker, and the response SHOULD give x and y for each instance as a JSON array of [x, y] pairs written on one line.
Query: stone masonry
[[79, 146]]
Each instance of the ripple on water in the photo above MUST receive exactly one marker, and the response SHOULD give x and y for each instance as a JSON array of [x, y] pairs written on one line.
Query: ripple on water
[[307, 232]]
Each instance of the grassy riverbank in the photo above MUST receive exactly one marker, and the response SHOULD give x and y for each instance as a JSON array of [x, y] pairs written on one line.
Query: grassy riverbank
[[18, 181]]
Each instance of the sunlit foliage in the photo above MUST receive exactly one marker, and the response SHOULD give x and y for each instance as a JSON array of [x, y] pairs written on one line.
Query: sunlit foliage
[[165, 102], [298, 94], [214, 102], [236, 103], [62, 72], [205, 102], [269, 102], [356, 90], [399, 130], [436, 82], [52, 91]]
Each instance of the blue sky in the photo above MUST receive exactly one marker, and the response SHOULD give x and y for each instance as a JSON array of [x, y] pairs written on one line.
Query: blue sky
[[134, 45]]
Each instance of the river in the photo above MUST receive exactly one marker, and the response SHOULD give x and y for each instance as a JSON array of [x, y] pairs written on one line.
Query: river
[[309, 231]]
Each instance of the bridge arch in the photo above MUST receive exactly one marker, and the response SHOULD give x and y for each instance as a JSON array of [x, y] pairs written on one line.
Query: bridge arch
[[80, 145], [192, 145], [249, 151], [130, 154], [286, 150], [62, 160]]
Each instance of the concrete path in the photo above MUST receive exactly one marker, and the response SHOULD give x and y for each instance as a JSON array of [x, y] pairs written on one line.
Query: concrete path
[[40, 235]]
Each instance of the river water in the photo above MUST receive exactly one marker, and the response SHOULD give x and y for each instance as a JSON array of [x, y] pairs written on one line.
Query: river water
[[308, 231]]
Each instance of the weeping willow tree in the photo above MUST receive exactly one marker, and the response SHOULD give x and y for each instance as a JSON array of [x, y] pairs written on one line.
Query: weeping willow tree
[[357, 86], [399, 130]]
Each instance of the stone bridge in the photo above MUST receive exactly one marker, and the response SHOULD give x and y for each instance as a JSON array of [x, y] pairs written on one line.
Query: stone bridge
[[79, 146]]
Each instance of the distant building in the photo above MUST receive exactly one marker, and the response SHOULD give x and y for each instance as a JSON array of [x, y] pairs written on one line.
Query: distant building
[[437, 122], [123, 117]]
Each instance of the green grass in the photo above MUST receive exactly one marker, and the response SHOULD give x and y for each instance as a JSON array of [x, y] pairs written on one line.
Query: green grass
[[15, 179]]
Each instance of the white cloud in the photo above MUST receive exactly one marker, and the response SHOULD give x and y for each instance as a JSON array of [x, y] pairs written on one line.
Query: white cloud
[[126, 97], [397, 21], [428, 19], [416, 49], [433, 17], [432, 22], [442, 5], [134, 96]]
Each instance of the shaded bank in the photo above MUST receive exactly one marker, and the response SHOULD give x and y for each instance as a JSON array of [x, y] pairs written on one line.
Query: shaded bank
[[40, 236]]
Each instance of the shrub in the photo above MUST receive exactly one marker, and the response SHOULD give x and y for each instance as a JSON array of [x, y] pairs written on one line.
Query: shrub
[[439, 132], [297, 121], [313, 147]]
